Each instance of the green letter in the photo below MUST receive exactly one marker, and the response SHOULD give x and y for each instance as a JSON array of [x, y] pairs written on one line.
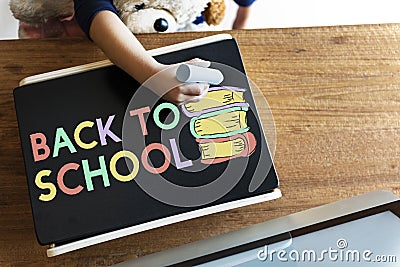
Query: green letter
[[99, 172], [60, 133]]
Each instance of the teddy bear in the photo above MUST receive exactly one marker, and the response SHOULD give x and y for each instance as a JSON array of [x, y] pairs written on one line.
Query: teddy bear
[[150, 16], [141, 16]]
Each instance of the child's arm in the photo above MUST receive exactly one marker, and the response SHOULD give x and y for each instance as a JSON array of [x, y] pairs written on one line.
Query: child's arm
[[243, 14], [121, 46], [124, 50], [242, 17]]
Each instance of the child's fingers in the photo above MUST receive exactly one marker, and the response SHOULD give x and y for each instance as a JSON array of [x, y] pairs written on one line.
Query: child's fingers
[[188, 99], [196, 98], [191, 100], [193, 89], [199, 62], [189, 93]]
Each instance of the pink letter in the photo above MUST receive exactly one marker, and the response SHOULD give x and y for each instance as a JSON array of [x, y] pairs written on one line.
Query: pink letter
[[39, 146], [146, 152], [60, 179], [139, 112]]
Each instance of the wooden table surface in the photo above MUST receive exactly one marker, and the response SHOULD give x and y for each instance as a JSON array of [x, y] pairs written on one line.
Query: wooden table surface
[[335, 96]]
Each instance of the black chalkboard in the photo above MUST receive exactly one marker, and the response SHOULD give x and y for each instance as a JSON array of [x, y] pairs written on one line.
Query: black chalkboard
[[55, 108]]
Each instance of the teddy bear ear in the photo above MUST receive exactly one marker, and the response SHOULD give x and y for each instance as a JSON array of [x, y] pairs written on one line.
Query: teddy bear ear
[[215, 12]]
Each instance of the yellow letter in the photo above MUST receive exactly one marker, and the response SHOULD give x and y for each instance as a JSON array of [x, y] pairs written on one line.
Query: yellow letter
[[113, 167], [41, 185], [78, 129]]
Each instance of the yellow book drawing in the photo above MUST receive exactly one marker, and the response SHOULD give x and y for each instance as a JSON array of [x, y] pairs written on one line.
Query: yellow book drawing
[[215, 99], [221, 123], [222, 149]]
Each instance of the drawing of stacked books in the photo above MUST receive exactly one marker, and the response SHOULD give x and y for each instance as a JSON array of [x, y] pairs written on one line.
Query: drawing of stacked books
[[219, 124]]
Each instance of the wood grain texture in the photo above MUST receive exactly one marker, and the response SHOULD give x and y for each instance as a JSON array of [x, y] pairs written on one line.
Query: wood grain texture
[[334, 93]]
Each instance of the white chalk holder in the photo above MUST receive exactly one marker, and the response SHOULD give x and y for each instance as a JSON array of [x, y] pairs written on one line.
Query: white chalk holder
[[188, 73]]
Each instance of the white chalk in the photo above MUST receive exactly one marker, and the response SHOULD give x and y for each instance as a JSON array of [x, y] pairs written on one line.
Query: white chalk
[[187, 73]]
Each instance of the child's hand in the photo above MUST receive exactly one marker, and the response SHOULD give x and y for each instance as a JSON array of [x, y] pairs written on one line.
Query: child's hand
[[165, 84]]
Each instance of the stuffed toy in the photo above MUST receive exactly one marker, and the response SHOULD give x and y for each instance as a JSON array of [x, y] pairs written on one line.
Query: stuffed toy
[[141, 16], [150, 16]]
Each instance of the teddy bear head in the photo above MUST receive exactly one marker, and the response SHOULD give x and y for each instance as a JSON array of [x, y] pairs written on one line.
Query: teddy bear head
[[151, 16]]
